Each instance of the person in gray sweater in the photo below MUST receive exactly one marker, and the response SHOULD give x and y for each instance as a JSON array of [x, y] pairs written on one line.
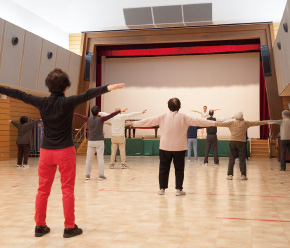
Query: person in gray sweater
[[23, 139], [96, 139], [284, 136]]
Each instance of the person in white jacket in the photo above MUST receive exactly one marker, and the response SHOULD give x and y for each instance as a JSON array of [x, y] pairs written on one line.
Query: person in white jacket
[[118, 139]]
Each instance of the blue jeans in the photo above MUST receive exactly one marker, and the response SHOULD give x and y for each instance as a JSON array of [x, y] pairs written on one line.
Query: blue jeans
[[192, 143]]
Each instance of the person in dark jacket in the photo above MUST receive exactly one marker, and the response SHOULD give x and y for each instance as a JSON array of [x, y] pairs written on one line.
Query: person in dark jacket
[[96, 139], [23, 139], [57, 146]]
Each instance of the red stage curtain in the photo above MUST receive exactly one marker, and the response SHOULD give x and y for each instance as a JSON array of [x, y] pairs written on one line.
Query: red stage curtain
[[264, 110], [180, 50]]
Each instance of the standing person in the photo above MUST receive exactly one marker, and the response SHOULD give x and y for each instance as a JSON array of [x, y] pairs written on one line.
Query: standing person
[[211, 139], [192, 142], [118, 139], [96, 140], [23, 139], [57, 146], [204, 115], [173, 127], [284, 136], [238, 129]]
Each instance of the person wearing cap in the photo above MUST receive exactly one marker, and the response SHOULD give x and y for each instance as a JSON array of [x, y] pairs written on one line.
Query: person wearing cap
[[96, 140], [238, 129], [118, 139], [284, 136], [211, 139]]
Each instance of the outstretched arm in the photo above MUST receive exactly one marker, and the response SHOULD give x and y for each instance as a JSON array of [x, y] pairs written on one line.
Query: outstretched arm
[[107, 117], [198, 122], [75, 100], [195, 111], [148, 122], [15, 124], [128, 116], [81, 116], [35, 101], [33, 123], [279, 122], [257, 123]]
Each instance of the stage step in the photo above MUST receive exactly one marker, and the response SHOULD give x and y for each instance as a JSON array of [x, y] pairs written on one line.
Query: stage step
[[82, 150], [260, 149]]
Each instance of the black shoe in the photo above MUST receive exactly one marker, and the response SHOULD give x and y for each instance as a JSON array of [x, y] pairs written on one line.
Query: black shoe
[[283, 169], [41, 230], [71, 232]]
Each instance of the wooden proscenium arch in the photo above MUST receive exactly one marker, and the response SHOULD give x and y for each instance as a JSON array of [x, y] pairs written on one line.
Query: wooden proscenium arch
[[262, 31]]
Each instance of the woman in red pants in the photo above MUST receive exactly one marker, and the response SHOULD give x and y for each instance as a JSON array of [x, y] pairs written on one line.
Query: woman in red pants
[[57, 147]]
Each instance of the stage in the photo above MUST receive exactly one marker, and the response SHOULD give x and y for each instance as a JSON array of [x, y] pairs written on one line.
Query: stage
[[150, 147]]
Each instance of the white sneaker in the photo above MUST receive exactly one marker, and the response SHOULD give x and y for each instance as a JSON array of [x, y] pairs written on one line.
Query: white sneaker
[[196, 160], [25, 166], [19, 165], [125, 166], [205, 164], [102, 178], [230, 177], [88, 177], [111, 166], [180, 192], [244, 177], [188, 160], [161, 192]]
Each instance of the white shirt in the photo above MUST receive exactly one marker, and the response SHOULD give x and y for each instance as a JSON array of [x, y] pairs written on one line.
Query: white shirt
[[118, 122]]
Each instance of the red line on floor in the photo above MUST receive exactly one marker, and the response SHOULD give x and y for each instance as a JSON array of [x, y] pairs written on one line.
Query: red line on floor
[[132, 191], [133, 178], [222, 218], [15, 186]]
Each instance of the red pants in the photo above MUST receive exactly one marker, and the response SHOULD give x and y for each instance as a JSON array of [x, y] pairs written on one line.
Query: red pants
[[48, 161]]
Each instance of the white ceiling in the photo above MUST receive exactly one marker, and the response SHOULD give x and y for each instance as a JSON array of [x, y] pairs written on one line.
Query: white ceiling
[[74, 16]]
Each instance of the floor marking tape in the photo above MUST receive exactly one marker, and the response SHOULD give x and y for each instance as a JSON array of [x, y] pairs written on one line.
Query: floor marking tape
[[224, 218]]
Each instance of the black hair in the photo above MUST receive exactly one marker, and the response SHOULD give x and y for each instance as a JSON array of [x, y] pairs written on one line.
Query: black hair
[[174, 104], [211, 112], [57, 81], [23, 119], [205, 106], [95, 110]]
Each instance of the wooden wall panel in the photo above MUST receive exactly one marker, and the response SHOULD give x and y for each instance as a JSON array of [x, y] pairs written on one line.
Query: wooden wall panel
[[4, 128], [74, 73], [275, 29], [11, 55], [62, 59], [75, 43], [46, 65], [286, 101], [31, 61]]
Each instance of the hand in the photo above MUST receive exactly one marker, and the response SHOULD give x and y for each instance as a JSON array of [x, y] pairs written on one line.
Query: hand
[[115, 86], [217, 109], [124, 110], [40, 119], [195, 111], [144, 111], [10, 121], [130, 122]]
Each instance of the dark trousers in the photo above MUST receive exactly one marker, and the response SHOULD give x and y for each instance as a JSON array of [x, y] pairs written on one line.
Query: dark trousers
[[23, 151], [240, 148], [211, 141], [284, 145], [165, 161]]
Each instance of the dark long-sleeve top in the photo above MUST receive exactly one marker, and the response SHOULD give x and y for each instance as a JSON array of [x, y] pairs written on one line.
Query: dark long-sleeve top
[[192, 132], [24, 131], [95, 124], [56, 113]]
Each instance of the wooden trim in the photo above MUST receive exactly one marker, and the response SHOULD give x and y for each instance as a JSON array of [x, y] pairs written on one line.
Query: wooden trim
[[39, 65], [2, 43], [21, 64]]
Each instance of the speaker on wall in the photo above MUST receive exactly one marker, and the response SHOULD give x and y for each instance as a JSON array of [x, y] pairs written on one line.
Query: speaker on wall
[[88, 66], [266, 61]]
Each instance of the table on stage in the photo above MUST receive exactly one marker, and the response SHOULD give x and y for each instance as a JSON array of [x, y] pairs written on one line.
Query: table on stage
[[129, 128]]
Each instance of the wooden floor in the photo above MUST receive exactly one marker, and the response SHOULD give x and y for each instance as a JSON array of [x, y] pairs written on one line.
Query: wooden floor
[[126, 211]]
